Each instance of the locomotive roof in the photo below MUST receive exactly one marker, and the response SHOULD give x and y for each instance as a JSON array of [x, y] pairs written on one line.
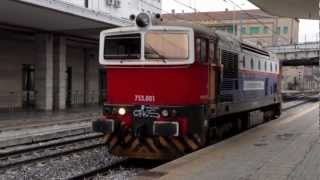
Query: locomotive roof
[[225, 37]]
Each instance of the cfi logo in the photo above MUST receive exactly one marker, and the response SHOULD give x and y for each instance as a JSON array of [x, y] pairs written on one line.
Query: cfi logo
[[146, 112]]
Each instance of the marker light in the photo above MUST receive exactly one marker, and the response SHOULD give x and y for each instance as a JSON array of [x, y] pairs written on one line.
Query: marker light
[[165, 113], [122, 111], [143, 20]]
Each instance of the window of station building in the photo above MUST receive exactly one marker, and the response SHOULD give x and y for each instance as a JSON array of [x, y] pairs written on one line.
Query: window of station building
[[276, 67], [259, 65], [265, 66], [285, 30], [243, 30], [254, 30], [278, 30], [251, 64], [86, 3], [271, 67], [244, 62], [265, 30], [230, 29]]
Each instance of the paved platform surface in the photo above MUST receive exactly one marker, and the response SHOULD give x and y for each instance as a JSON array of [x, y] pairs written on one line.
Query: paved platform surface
[[32, 127], [18, 120], [286, 148]]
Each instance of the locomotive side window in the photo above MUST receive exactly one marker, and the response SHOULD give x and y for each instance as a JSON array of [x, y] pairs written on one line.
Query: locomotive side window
[[211, 52], [202, 50], [166, 45], [127, 46], [198, 48]]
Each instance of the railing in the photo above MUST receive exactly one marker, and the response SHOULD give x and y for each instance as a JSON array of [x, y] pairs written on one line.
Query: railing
[[308, 46]]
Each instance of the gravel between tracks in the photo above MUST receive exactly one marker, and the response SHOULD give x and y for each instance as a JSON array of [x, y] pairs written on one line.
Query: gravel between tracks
[[61, 167], [119, 174]]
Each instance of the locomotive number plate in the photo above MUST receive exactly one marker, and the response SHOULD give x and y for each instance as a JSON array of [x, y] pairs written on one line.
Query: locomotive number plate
[[144, 98]]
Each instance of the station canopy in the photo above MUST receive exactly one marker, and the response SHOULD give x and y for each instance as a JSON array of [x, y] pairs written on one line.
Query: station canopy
[[55, 16], [301, 9]]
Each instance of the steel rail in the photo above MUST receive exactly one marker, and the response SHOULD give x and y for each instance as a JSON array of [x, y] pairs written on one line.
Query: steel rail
[[49, 156], [95, 172]]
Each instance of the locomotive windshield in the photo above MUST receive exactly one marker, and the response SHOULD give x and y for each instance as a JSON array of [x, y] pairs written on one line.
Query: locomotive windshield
[[166, 45], [157, 45], [127, 46]]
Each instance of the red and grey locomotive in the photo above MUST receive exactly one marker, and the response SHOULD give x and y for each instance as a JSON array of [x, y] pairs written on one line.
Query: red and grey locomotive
[[172, 88]]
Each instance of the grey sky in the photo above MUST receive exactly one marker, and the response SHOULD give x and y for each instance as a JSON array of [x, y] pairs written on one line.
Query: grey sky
[[308, 28]]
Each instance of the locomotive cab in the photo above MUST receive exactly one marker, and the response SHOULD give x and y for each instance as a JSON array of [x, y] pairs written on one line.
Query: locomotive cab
[[155, 87], [172, 88]]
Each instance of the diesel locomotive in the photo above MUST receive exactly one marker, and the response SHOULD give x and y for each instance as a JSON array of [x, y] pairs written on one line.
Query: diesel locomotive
[[173, 88]]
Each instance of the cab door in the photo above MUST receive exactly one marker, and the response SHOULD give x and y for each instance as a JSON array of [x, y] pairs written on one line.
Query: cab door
[[206, 58], [213, 74]]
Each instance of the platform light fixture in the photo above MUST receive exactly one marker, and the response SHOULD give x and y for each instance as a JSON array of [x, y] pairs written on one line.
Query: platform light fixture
[[165, 113]]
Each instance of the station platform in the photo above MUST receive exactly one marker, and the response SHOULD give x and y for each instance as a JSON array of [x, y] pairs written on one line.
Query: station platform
[[20, 128], [286, 148]]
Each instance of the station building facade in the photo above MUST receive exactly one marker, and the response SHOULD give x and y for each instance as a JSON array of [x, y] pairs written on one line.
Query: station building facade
[[49, 52], [120, 8], [255, 25]]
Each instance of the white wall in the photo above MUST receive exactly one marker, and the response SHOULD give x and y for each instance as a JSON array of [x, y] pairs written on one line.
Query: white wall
[[127, 7]]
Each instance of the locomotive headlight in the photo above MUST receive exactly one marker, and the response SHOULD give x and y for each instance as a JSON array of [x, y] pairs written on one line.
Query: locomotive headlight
[[122, 111], [165, 113], [143, 20]]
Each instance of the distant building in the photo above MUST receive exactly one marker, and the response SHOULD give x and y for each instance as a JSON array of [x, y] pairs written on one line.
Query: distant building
[[300, 78], [249, 25], [120, 8]]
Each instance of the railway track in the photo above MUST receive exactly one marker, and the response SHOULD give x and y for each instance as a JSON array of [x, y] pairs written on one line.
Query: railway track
[[117, 168], [14, 157], [102, 170], [122, 165]]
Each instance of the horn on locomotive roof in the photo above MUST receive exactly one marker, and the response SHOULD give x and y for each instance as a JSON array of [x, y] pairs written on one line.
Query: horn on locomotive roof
[[143, 20]]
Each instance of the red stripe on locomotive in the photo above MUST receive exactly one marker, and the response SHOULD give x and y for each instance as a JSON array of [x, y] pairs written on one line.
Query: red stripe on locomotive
[[163, 86]]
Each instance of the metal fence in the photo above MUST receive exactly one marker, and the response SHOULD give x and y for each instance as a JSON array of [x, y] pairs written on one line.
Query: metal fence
[[295, 47]]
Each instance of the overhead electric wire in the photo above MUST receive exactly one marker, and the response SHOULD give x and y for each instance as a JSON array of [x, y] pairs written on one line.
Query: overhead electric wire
[[206, 14], [156, 7], [260, 22], [186, 5]]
